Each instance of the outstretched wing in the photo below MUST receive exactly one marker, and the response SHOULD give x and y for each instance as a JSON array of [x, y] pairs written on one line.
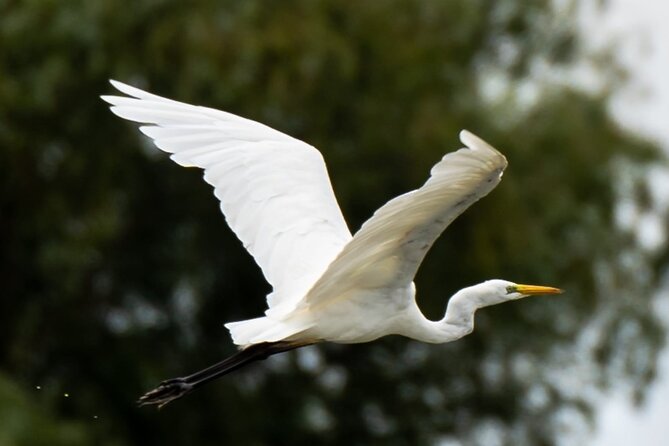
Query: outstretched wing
[[274, 189], [389, 247]]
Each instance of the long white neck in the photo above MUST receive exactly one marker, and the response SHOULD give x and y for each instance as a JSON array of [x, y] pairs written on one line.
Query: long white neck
[[457, 322]]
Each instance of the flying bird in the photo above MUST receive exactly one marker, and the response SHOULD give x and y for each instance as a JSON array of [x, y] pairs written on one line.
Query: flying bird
[[328, 285]]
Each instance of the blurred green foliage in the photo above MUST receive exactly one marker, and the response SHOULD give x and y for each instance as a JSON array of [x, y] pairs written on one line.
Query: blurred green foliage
[[25, 423], [117, 270]]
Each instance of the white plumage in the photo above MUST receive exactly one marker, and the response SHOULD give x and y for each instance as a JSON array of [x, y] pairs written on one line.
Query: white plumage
[[274, 189], [327, 285]]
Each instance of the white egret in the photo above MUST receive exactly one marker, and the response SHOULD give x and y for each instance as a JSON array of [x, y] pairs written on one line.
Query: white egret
[[328, 286]]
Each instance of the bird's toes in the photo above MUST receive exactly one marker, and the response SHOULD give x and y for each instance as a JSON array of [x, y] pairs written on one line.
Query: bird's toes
[[171, 381], [166, 392]]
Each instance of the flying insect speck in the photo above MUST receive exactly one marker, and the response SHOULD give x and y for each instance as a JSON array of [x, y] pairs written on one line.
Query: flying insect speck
[[328, 285]]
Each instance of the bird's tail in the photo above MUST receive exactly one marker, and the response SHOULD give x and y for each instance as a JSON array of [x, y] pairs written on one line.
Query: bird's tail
[[172, 389], [264, 330]]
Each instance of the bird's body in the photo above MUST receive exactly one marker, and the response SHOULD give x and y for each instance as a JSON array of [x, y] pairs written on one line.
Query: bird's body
[[364, 316], [328, 285]]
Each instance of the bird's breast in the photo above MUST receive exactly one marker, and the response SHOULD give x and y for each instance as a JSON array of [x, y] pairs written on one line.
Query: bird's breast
[[362, 316]]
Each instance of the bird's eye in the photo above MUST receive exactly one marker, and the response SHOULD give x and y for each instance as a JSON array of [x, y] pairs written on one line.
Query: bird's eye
[[510, 289]]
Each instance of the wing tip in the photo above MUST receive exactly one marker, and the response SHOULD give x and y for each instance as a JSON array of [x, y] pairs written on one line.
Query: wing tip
[[109, 99], [120, 86], [131, 91], [474, 142], [123, 88]]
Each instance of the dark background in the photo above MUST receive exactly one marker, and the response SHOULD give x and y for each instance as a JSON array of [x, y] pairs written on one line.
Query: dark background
[[117, 270]]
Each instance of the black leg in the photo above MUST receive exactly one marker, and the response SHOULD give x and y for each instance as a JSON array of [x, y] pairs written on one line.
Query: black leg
[[175, 388]]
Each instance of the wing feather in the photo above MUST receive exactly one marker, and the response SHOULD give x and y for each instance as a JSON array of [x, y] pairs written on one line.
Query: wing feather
[[388, 249], [274, 189]]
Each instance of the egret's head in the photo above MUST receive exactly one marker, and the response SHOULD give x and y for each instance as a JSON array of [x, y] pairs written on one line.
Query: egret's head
[[503, 290]]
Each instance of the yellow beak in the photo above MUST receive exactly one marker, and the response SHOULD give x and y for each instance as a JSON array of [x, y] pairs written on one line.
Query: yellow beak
[[533, 290]]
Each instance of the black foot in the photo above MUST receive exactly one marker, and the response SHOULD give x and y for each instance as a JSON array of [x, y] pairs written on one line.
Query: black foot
[[166, 392]]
